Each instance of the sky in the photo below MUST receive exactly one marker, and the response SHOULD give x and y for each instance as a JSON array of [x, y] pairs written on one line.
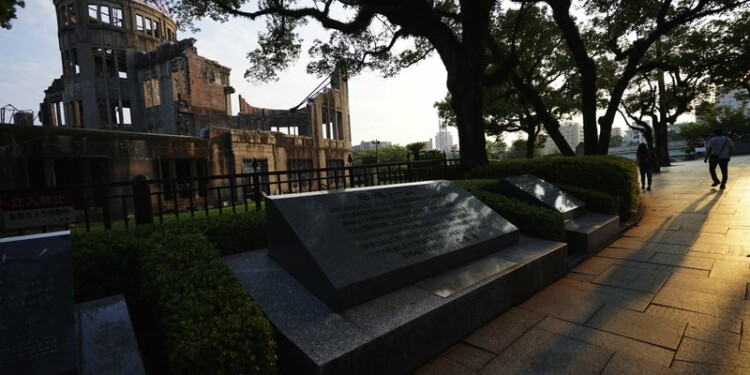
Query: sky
[[398, 109]]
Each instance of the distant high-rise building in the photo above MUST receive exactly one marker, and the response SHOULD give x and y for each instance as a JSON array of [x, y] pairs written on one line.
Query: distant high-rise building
[[573, 134], [443, 139], [370, 145]]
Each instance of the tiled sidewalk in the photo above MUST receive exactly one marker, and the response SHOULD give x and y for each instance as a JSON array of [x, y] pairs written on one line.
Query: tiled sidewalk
[[669, 297]]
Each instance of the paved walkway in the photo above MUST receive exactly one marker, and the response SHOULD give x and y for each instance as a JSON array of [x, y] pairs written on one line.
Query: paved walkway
[[669, 297]]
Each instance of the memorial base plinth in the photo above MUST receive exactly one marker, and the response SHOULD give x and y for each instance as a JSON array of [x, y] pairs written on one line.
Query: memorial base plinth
[[588, 234], [396, 332]]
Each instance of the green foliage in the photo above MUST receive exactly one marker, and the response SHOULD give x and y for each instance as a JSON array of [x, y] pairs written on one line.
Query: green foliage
[[614, 175], [176, 284], [695, 135], [107, 263], [8, 10], [390, 154], [735, 122], [532, 220], [415, 148], [596, 201], [210, 322], [231, 233]]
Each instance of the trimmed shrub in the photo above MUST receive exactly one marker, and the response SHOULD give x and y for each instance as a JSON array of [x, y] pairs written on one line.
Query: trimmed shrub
[[107, 263], [177, 288], [210, 323], [532, 220], [611, 174], [595, 201]]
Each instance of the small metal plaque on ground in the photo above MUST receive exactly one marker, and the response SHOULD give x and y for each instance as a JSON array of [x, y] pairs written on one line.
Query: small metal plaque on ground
[[37, 326], [350, 246]]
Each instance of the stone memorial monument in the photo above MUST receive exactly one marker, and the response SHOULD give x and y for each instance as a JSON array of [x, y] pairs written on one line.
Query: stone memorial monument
[[378, 280], [349, 247], [585, 232], [535, 191], [37, 325]]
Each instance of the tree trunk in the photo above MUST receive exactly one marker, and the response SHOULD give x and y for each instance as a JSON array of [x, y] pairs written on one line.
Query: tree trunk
[[587, 69], [550, 123], [467, 104], [465, 65]]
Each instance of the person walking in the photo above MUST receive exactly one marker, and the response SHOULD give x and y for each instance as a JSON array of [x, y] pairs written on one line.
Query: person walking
[[645, 157], [718, 152]]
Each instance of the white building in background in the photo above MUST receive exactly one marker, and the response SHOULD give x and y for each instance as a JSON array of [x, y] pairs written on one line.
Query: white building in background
[[633, 137], [617, 132], [573, 134], [370, 145], [443, 139]]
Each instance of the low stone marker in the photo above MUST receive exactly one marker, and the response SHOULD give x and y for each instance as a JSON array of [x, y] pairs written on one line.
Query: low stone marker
[[349, 247], [37, 326], [107, 342], [585, 232], [536, 191]]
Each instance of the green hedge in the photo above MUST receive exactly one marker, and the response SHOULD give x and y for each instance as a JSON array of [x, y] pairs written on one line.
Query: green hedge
[[610, 174], [177, 286], [231, 233], [211, 324], [595, 201], [531, 220]]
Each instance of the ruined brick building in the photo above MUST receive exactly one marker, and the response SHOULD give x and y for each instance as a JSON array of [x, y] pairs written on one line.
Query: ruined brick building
[[133, 99]]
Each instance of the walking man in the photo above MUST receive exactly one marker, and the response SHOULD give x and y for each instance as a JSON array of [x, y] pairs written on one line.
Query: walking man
[[718, 152]]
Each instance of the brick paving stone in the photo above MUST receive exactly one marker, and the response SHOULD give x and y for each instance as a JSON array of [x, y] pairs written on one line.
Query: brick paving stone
[[629, 299], [643, 230], [500, 332], [714, 336], [594, 265], [697, 351], [721, 229], [692, 222], [698, 320], [640, 326], [624, 364], [542, 352], [728, 288], [722, 249], [637, 244], [640, 349], [562, 306], [634, 278], [443, 366], [703, 302], [730, 270], [469, 356], [629, 254], [686, 261], [672, 237], [718, 239], [682, 367], [691, 272]]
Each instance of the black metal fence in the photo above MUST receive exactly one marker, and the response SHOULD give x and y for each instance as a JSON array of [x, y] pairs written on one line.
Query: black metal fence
[[143, 200]]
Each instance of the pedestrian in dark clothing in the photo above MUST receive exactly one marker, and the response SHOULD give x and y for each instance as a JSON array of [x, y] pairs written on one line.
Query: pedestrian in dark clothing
[[646, 158], [718, 152]]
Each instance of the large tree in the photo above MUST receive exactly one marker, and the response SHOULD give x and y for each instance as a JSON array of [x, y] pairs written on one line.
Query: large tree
[[517, 101], [386, 35], [610, 43], [8, 10], [661, 96], [727, 55]]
